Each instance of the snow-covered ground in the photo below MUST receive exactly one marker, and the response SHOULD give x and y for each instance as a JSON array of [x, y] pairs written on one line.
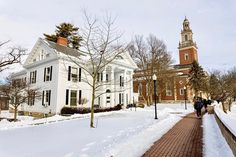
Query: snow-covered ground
[[121, 133], [215, 144], [126, 133], [229, 118]]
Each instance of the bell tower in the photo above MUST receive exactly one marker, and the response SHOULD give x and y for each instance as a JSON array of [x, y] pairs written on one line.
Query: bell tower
[[187, 47]]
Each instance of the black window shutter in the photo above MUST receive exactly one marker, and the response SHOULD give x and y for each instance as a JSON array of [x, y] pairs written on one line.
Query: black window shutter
[[80, 96], [44, 74], [43, 99], [106, 77], [69, 73], [79, 74], [51, 74], [49, 97], [35, 75], [30, 77], [67, 96]]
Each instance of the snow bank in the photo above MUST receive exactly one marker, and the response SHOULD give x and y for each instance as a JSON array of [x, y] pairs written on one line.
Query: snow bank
[[214, 142], [228, 119]]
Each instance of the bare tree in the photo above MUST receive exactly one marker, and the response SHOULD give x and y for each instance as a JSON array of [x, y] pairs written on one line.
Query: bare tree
[[83, 101], [19, 91], [101, 47], [10, 56], [152, 57]]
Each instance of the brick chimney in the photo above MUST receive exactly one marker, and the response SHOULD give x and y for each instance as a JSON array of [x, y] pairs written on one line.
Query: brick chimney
[[62, 41]]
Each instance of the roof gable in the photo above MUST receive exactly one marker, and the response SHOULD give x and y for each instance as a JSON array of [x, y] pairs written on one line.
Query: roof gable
[[39, 53], [125, 60]]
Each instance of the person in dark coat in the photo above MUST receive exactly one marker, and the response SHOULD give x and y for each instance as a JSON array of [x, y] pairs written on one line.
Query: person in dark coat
[[198, 107]]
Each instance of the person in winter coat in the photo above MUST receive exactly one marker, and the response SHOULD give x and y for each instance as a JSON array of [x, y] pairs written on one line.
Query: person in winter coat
[[198, 107]]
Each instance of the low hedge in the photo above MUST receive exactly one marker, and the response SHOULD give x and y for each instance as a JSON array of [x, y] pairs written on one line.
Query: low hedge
[[73, 110]]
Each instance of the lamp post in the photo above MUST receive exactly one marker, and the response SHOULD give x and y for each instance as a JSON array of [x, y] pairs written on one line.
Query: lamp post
[[154, 77], [185, 97]]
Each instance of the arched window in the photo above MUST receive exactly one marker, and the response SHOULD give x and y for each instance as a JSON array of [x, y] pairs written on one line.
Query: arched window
[[108, 96], [186, 37]]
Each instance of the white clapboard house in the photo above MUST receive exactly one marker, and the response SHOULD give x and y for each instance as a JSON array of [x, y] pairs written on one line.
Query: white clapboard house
[[60, 81]]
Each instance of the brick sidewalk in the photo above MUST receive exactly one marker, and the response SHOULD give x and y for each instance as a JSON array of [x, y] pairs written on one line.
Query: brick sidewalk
[[183, 140]]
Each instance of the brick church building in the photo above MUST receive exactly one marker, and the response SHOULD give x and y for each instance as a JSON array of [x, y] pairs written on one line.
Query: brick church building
[[176, 88]]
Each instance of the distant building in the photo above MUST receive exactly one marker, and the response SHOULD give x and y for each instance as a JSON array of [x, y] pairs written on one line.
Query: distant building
[[174, 89], [4, 103], [59, 79]]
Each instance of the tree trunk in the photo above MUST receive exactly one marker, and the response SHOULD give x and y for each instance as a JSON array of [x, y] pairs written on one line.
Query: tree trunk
[[223, 106], [15, 113], [92, 106]]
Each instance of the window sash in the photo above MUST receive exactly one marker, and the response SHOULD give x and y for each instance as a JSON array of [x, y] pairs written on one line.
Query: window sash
[[73, 98]]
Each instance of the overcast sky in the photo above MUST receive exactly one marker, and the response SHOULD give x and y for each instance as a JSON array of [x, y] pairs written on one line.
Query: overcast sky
[[213, 22]]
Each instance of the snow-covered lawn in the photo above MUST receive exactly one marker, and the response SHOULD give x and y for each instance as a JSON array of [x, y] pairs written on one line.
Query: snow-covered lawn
[[125, 133], [119, 134]]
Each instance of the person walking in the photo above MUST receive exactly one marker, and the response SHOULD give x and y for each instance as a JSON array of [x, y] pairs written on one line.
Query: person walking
[[198, 104]]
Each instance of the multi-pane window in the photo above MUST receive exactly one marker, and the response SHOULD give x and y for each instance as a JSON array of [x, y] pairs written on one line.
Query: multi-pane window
[[121, 98], [46, 98], [73, 98], [31, 98], [168, 90], [48, 73], [73, 74], [33, 75], [100, 77]]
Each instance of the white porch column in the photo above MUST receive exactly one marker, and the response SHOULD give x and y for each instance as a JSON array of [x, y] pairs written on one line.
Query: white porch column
[[131, 88], [113, 89], [125, 87]]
